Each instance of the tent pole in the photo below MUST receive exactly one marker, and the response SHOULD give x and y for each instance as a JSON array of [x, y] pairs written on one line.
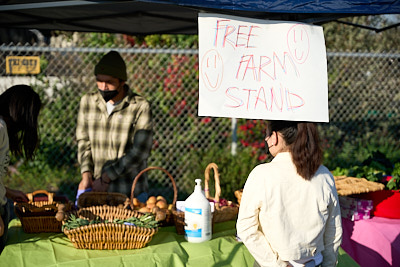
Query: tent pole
[[234, 136]]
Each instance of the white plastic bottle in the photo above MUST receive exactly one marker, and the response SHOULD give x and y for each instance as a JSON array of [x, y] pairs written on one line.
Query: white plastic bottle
[[198, 226]]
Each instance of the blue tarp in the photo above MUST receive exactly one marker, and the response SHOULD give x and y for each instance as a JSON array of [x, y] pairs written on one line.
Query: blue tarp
[[173, 16], [295, 6]]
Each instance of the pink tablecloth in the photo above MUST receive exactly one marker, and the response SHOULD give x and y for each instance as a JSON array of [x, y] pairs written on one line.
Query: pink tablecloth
[[374, 242]]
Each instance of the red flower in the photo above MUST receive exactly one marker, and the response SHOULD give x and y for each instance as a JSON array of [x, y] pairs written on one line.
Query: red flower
[[243, 127], [244, 143], [206, 120], [262, 157]]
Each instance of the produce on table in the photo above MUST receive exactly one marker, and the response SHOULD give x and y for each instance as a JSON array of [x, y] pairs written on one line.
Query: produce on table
[[223, 203], [147, 221], [155, 205]]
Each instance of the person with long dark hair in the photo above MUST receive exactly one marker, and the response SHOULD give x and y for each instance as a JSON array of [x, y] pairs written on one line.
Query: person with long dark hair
[[19, 111], [289, 212]]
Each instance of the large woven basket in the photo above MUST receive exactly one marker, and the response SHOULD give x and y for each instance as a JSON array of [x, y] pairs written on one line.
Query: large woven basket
[[169, 219], [221, 213], [40, 216], [109, 235], [346, 186]]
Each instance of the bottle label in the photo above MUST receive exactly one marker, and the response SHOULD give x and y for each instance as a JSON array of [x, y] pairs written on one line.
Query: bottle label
[[193, 233], [194, 222], [194, 211]]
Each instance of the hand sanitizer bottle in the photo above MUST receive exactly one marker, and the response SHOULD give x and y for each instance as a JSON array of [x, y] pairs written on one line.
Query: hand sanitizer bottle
[[197, 216]]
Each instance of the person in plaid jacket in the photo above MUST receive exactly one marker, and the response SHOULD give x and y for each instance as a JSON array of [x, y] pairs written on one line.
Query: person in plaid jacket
[[114, 132]]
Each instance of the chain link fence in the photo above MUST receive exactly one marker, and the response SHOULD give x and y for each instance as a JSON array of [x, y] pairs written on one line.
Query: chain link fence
[[364, 100]]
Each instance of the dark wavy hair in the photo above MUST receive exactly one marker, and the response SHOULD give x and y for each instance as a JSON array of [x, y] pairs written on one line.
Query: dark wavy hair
[[304, 144], [19, 107]]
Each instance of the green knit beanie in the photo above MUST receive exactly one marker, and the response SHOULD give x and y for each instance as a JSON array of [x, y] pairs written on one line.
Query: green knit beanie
[[112, 64]]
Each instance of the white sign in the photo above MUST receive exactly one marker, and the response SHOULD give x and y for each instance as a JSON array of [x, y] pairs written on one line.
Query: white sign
[[259, 69]]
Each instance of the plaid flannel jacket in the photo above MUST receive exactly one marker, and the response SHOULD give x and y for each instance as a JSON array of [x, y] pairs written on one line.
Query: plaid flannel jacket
[[119, 143]]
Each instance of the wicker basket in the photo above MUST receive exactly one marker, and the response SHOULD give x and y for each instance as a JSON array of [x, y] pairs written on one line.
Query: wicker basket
[[220, 214], [346, 186], [179, 221], [224, 213], [169, 219], [109, 235], [40, 216], [89, 199], [238, 195]]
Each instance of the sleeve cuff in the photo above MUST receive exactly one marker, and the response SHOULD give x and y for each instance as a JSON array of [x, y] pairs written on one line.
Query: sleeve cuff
[[86, 168]]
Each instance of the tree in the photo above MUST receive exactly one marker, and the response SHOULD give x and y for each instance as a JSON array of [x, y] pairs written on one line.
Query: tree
[[344, 37]]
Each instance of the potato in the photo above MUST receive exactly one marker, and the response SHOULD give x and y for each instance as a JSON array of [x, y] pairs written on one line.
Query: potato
[[161, 215], [135, 202], [161, 198], [150, 206], [144, 210], [151, 199], [155, 209], [60, 216], [61, 207], [162, 204]]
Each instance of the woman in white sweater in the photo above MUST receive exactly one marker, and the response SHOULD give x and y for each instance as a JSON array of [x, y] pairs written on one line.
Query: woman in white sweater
[[19, 110], [289, 212]]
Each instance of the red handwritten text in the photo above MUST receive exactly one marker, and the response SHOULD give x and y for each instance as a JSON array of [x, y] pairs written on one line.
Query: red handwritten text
[[266, 66], [236, 37], [264, 99]]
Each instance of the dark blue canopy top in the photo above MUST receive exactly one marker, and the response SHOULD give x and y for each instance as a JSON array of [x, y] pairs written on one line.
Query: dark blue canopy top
[[173, 16], [295, 6]]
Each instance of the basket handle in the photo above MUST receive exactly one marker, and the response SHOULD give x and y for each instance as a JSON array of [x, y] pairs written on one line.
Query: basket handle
[[217, 185], [153, 168], [37, 192]]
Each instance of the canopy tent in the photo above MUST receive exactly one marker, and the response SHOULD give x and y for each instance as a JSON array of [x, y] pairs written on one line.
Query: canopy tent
[[145, 17]]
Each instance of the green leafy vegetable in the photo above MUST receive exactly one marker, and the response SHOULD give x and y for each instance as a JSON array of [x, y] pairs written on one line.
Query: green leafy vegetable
[[147, 221]]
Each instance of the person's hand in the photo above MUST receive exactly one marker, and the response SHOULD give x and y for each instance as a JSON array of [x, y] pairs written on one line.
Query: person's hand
[[102, 184], [86, 181], [16, 195], [1, 227]]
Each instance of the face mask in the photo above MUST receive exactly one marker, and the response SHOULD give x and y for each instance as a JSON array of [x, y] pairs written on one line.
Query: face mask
[[107, 95]]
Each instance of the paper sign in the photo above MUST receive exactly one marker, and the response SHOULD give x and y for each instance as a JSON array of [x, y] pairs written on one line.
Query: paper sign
[[22, 65], [259, 69]]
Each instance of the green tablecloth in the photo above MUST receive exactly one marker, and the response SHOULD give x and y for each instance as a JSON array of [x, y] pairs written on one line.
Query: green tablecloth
[[165, 249]]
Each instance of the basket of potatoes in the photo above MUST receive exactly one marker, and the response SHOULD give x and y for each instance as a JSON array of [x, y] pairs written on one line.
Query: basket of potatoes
[[157, 205]]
